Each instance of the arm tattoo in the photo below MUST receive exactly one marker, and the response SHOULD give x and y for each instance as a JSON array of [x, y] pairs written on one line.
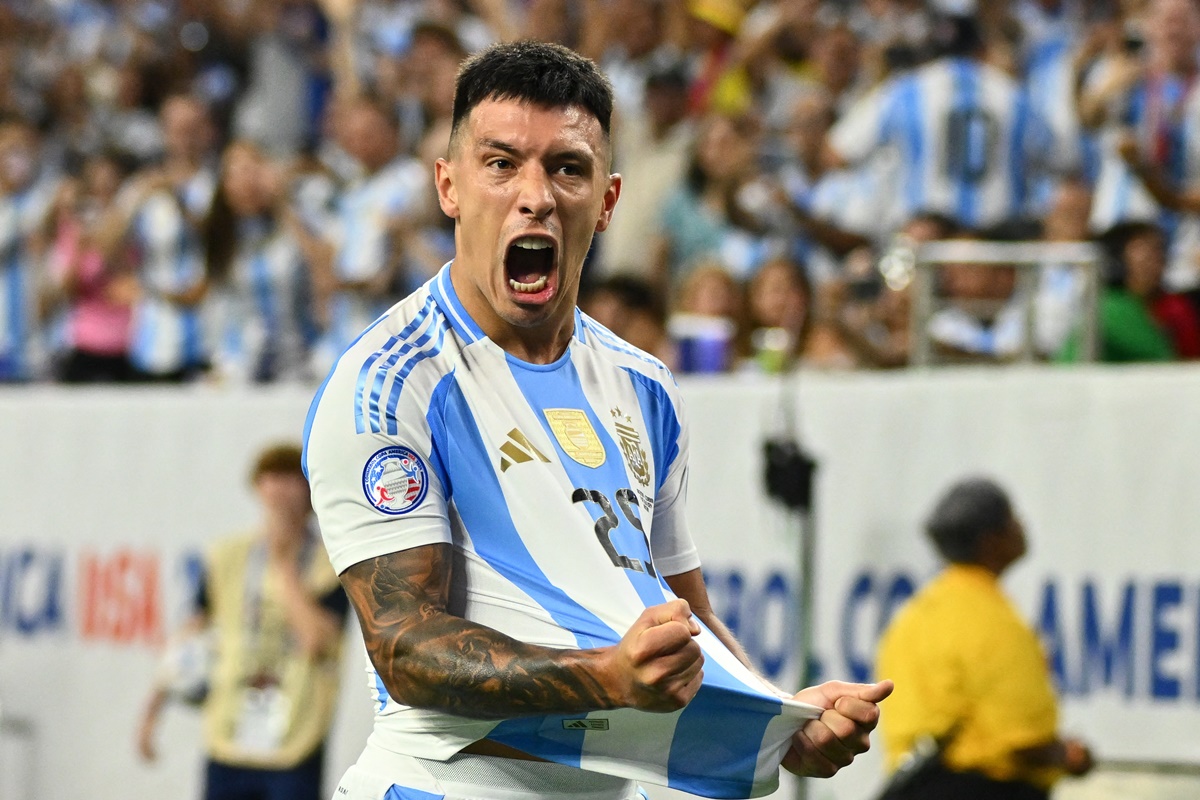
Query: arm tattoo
[[429, 658]]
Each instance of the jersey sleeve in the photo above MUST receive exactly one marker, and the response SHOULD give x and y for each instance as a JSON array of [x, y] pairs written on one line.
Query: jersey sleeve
[[373, 493], [865, 127], [671, 541]]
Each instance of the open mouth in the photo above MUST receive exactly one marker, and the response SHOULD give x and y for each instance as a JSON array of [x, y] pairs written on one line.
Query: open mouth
[[529, 265]]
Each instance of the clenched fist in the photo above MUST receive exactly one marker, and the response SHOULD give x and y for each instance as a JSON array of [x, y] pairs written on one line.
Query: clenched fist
[[825, 745], [657, 665]]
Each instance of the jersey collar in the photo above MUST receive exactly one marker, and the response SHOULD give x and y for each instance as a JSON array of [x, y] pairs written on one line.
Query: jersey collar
[[442, 289], [444, 295]]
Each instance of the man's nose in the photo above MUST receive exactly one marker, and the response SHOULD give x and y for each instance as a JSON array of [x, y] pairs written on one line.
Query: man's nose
[[536, 198]]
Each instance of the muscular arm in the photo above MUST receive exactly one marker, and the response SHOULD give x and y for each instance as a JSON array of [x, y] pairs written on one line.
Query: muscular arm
[[429, 658]]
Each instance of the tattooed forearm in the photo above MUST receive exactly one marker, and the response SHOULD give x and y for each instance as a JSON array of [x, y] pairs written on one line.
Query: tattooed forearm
[[429, 658]]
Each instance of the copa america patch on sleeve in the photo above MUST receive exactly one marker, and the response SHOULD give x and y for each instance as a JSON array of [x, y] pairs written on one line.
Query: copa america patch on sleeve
[[395, 480]]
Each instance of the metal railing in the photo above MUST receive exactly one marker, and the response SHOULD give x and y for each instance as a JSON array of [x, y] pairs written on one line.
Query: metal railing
[[1028, 258]]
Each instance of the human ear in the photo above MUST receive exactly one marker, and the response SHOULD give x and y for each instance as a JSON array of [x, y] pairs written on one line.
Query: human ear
[[611, 194], [443, 178]]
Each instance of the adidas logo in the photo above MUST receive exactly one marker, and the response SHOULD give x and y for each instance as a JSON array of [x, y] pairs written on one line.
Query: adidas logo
[[585, 724], [518, 450]]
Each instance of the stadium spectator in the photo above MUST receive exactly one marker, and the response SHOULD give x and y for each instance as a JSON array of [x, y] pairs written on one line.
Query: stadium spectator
[[1059, 304], [430, 65], [892, 23], [705, 216], [708, 322], [96, 294], [76, 133], [713, 30], [28, 187], [869, 314], [967, 138], [1138, 321], [837, 65], [130, 127], [982, 317], [970, 673], [100, 78], [633, 310], [1049, 24], [258, 291], [285, 83], [1183, 270], [770, 61], [784, 327], [631, 41], [159, 215], [834, 211], [1143, 90], [275, 612], [376, 215], [653, 146]]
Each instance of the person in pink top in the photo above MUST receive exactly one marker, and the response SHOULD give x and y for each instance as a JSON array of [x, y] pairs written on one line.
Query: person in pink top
[[97, 295]]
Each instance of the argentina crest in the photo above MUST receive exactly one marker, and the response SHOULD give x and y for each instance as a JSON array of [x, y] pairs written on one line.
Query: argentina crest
[[576, 436], [631, 447]]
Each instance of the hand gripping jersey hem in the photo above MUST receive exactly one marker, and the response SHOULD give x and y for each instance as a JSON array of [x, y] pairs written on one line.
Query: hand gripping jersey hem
[[346, 557]]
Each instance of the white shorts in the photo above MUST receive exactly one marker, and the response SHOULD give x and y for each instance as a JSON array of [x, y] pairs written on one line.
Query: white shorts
[[382, 775]]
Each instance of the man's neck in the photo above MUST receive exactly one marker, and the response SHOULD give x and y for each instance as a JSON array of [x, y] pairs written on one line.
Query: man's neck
[[537, 348], [542, 343]]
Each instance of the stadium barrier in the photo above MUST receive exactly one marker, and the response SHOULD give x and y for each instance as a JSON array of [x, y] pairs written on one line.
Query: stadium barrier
[[921, 265], [109, 498]]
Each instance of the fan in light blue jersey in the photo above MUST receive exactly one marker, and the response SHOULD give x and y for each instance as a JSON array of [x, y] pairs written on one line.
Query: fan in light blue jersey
[[969, 142], [375, 215], [26, 198]]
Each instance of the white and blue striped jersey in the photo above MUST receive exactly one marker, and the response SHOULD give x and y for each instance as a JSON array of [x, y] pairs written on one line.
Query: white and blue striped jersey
[[561, 488], [21, 214], [1050, 85], [167, 337], [1159, 111], [260, 321], [966, 134], [362, 238]]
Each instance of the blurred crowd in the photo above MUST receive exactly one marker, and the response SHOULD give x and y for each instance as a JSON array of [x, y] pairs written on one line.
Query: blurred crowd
[[230, 190]]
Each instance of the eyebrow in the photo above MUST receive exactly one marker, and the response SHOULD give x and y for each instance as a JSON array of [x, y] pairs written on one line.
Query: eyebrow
[[498, 144], [575, 153]]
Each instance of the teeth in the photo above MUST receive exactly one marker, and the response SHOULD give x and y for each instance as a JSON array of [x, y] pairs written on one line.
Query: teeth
[[532, 244], [528, 288]]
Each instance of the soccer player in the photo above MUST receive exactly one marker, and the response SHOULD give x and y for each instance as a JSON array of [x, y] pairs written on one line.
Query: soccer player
[[500, 483]]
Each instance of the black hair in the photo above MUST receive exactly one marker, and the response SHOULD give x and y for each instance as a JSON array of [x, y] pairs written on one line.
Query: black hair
[[956, 35], [969, 510], [634, 293], [1113, 242], [541, 73]]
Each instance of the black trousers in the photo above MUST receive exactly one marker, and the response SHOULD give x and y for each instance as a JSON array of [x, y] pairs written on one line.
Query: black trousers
[[301, 782], [943, 784]]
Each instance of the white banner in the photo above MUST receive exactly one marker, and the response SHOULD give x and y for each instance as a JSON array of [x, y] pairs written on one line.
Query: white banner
[[108, 499]]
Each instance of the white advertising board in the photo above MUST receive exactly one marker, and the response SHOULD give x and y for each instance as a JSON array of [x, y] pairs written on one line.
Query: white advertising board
[[108, 498]]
